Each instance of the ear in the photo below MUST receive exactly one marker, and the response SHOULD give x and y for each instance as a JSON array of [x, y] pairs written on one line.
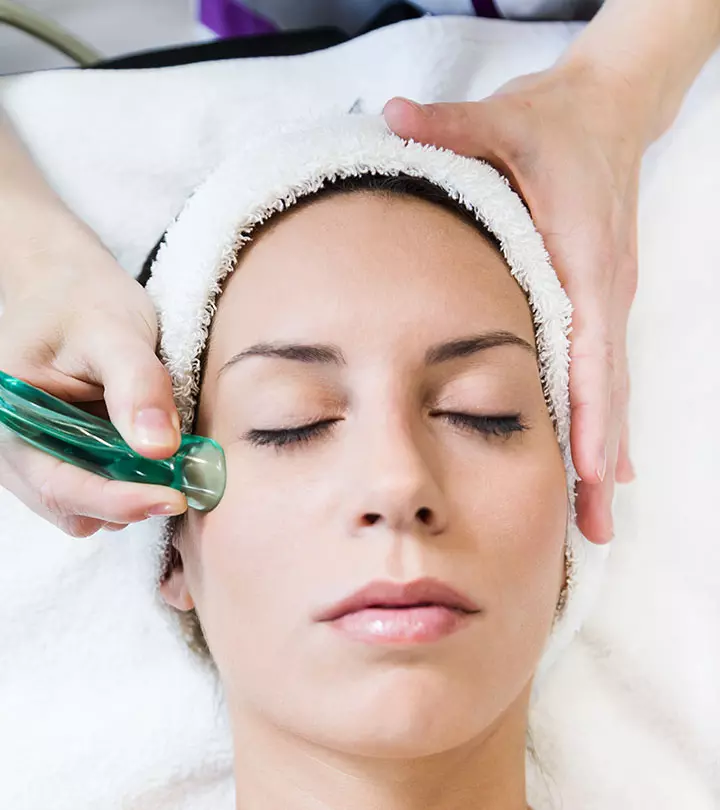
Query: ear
[[175, 592]]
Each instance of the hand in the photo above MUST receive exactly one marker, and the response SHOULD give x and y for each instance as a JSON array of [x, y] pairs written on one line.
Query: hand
[[77, 326], [572, 149]]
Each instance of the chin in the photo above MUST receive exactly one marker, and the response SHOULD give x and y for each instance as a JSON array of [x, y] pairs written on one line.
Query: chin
[[401, 715], [421, 735]]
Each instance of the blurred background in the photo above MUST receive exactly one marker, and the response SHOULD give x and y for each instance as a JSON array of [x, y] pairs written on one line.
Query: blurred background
[[110, 27]]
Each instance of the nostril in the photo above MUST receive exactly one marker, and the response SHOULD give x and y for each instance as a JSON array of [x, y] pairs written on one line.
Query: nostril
[[424, 515]]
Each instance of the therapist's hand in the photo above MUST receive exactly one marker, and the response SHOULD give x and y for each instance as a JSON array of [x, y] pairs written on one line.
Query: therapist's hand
[[572, 148], [77, 326]]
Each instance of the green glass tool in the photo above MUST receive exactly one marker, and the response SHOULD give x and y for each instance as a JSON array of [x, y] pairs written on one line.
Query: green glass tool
[[87, 441]]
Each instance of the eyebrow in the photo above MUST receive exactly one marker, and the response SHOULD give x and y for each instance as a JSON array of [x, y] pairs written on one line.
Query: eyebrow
[[326, 354], [300, 352], [465, 347]]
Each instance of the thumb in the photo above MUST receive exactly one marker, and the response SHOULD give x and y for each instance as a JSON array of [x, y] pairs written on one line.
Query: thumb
[[457, 126], [139, 398]]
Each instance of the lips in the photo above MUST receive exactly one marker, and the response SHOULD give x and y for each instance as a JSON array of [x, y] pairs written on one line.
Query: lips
[[423, 593]]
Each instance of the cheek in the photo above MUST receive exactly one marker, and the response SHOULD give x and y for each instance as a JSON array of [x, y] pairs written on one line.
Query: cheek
[[252, 562], [519, 509]]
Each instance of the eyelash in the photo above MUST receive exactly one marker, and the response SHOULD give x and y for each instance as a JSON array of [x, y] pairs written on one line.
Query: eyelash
[[500, 426], [491, 426], [282, 438]]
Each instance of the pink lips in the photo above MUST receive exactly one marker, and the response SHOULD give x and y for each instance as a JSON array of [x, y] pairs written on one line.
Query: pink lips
[[388, 613]]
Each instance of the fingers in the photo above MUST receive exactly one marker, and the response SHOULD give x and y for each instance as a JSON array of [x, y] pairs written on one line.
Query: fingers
[[627, 279], [79, 527], [624, 472], [460, 126], [585, 253], [592, 371], [594, 502], [77, 501], [594, 498], [69, 491], [139, 397], [594, 517]]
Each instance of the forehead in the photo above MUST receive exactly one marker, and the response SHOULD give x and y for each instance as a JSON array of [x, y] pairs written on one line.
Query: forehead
[[368, 263]]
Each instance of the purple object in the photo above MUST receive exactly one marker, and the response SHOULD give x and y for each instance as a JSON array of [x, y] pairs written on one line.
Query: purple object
[[230, 19], [485, 8]]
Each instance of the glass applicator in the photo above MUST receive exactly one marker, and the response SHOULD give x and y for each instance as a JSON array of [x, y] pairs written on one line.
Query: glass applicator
[[197, 469]]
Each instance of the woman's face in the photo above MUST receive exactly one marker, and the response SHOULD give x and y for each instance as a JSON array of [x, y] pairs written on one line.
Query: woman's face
[[396, 329]]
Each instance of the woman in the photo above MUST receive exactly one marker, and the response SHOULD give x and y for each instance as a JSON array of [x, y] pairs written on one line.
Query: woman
[[397, 540], [571, 138]]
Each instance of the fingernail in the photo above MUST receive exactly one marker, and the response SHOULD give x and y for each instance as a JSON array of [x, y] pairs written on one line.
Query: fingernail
[[602, 466], [154, 428], [164, 510], [419, 107]]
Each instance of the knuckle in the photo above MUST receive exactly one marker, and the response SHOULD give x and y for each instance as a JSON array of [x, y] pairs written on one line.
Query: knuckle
[[95, 493], [103, 498], [600, 349], [621, 390], [149, 328], [457, 114], [49, 501], [52, 498], [608, 353], [78, 527], [627, 280], [519, 155]]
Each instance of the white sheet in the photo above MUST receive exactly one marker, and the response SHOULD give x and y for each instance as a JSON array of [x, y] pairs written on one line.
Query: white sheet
[[101, 706]]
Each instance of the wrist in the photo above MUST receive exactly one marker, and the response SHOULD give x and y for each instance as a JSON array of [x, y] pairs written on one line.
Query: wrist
[[648, 52], [632, 101], [37, 239]]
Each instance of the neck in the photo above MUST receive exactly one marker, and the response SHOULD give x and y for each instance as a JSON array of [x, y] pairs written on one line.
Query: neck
[[276, 770]]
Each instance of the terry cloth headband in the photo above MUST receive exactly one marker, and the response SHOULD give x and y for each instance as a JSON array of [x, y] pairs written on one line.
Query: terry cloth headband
[[201, 248]]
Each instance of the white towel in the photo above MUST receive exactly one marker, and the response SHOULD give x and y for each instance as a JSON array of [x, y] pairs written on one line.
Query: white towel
[[102, 707]]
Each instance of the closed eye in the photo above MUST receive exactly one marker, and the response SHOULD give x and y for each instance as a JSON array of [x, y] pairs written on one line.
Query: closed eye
[[282, 437], [501, 425]]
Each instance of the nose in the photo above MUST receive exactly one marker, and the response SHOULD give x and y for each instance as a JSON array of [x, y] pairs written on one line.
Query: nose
[[398, 489]]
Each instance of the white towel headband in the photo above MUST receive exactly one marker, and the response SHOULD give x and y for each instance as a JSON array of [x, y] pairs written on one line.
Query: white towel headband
[[201, 248]]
